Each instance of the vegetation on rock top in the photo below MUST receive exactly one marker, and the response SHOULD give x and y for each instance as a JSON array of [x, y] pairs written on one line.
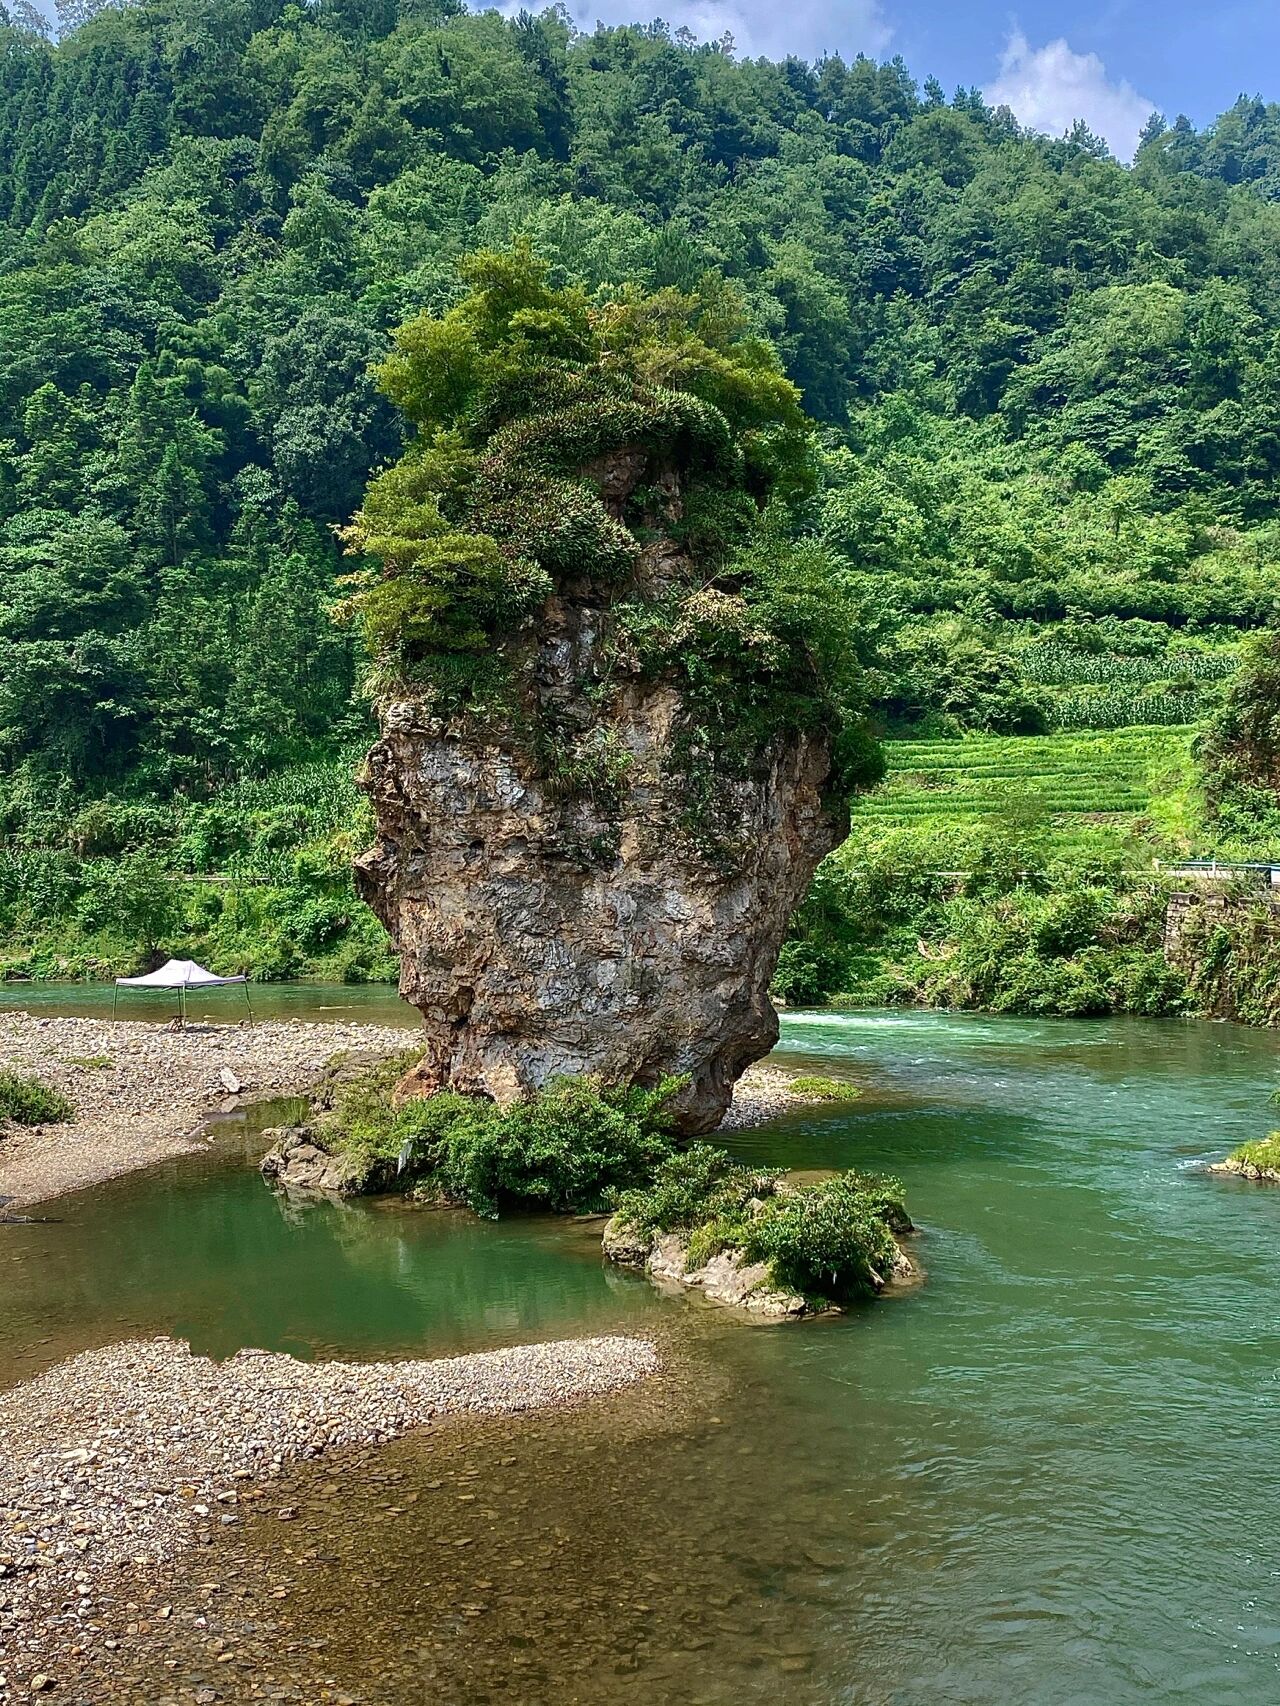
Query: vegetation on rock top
[[830, 1241], [644, 452]]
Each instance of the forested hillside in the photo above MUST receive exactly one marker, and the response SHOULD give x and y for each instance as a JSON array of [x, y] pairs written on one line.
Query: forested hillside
[[1049, 387]]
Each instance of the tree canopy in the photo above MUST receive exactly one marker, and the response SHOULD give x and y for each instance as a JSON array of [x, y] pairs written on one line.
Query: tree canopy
[[1047, 386]]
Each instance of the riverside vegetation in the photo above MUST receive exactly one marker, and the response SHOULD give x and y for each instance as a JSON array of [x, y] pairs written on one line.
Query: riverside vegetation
[[582, 1147], [1047, 386]]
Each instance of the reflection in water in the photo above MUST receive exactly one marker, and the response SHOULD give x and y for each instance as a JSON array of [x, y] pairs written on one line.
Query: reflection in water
[[1036, 1480]]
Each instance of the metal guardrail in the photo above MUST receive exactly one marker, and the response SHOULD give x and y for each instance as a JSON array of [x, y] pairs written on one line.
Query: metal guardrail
[[1223, 868]]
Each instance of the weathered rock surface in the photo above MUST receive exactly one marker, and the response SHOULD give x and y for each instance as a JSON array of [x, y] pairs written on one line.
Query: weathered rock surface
[[298, 1161], [727, 1278], [553, 926]]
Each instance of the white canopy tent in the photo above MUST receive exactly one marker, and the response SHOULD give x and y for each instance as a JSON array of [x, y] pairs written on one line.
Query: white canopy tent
[[181, 975]]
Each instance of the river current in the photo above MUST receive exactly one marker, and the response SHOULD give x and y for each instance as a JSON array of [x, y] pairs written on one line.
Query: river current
[[1046, 1476]]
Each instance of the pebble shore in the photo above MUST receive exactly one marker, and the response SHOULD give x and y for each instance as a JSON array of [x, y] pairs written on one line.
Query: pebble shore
[[141, 1090], [762, 1093], [114, 1463], [123, 1456]]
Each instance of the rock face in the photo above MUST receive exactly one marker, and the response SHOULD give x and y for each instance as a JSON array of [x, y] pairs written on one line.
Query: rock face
[[728, 1278], [575, 905], [298, 1161]]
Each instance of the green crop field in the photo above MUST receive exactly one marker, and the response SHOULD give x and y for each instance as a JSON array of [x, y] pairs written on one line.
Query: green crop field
[[1120, 773], [1101, 690], [1056, 665]]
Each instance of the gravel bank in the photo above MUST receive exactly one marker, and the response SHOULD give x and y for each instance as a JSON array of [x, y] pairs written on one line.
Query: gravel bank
[[121, 1457], [762, 1093], [140, 1091]]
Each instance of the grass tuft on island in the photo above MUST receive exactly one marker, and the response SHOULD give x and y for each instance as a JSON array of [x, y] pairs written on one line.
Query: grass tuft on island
[[817, 1087], [29, 1101], [1260, 1160]]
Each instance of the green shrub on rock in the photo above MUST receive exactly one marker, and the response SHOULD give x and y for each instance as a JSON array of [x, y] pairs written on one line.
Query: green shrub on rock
[[565, 1150], [829, 1240], [580, 1146], [698, 1184], [833, 1240]]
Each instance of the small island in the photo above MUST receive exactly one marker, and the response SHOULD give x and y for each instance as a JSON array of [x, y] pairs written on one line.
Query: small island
[[1258, 1161]]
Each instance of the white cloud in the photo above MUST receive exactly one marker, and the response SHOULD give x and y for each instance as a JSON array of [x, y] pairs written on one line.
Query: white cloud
[[808, 28], [1049, 88]]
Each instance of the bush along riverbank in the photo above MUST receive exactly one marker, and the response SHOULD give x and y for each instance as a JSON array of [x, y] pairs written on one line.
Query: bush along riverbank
[[693, 1217]]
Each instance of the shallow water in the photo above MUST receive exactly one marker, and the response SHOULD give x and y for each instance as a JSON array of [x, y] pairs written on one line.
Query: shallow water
[[1044, 1477]]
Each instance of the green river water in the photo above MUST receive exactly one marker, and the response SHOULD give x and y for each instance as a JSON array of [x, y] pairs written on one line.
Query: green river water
[[1045, 1477]]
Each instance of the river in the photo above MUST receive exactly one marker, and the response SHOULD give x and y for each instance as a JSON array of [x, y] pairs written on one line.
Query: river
[[1044, 1477]]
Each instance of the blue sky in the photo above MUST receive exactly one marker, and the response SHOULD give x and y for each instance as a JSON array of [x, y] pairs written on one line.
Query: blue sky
[[1108, 61]]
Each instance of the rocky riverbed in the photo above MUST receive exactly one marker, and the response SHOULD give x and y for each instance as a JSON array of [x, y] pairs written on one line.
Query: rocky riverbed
[[113, 1463], [140, 1090]]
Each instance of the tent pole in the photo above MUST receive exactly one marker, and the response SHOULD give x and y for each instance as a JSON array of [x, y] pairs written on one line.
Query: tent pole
[[115, 996], [247, 1002]]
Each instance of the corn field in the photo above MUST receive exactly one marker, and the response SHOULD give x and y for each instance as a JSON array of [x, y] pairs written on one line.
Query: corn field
[[1124, 708], [324, 793], [1049, 664]]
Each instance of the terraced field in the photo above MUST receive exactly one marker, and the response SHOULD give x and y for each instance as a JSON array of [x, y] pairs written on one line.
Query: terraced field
[[1122, 773]]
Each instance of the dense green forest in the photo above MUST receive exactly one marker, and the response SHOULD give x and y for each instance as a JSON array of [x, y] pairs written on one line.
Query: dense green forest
[[1048, 388]]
